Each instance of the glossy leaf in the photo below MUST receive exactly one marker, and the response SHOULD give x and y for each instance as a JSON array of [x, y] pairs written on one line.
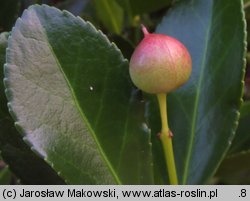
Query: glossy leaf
[[27, 166], [70, 93], [110, 14], [203, 114], [241, 141]]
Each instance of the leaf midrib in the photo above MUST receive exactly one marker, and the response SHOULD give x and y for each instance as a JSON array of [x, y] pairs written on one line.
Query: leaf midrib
[[115, 176], [196, 103]]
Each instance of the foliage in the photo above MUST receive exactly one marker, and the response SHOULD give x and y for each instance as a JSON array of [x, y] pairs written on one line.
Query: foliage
[[79, 118]]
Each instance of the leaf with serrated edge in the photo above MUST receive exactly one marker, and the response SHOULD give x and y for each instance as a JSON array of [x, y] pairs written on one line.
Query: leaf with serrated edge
[[27, 166], [71, 96], [203, 114], [141, 6]]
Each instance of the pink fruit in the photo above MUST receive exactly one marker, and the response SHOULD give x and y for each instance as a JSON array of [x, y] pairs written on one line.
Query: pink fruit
[[160, 63]]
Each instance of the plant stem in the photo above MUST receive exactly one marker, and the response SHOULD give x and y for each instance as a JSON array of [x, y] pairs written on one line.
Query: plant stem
[[166, 140]]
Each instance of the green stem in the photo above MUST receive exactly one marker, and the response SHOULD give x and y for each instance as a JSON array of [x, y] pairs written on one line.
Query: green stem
[[166, 140]]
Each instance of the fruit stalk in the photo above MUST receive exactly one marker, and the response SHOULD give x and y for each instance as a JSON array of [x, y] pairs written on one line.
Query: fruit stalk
[[159, 65], [166, 140]]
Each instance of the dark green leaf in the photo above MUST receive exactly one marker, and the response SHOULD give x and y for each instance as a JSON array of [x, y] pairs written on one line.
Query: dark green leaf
[[8, 14], [110, 14], [245, 109], [241, 141], [71, 96], [203, 114], [235, 170], [30, 168]]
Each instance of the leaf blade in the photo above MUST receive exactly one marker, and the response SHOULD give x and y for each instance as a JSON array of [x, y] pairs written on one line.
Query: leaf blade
[[78, 126], [110, 14], [27, 165], [200, 25]]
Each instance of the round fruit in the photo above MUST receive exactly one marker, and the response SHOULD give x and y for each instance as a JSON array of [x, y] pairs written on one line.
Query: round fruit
[[160, 63]]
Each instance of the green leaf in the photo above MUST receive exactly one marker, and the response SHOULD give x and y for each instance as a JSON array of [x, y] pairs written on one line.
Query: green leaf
[[5, 176], [203, 114], [110, 14], [235, 170], [30, 168], [8, 14], [245, 109], [241, 141], [70, 93], [141, 6]]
